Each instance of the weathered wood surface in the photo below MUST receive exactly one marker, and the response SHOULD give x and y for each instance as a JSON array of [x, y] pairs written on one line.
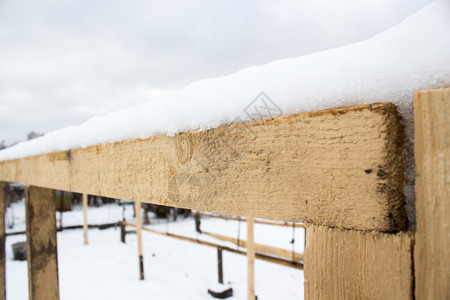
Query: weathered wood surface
[[432, 153], [41, 243], [352, 264], [2, 242], [338, 167]]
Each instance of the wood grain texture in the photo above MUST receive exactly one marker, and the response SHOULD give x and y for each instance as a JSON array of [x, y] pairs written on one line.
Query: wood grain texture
[[2, 242], [339, 167], [432, 154], [41, 243], [352, 264]]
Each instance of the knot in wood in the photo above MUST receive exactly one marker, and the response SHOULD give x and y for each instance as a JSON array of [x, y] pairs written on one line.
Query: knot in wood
[[183, 146]]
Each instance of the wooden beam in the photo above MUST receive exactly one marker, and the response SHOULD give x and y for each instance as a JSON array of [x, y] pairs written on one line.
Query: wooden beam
[[219, 265], [41, 244], [85, 221], [261, 256], [250, 260], [352, 264], [259, 247], [432, 154], [138, 212], [2, 242], [338, 167], [256, 221]]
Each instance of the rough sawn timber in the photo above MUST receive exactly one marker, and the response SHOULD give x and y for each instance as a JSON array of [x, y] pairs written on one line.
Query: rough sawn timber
[[353, 264], [432, 153], [42, 251], [2, 242], [338, 167]]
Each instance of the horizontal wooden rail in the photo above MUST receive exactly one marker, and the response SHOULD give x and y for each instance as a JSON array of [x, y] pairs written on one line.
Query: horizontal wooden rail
[[262, 256], [99, 226], [256, 221], [259, 247], [338, 167]]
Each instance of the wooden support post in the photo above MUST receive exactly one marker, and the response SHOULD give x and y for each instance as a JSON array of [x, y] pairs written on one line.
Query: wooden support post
[[122, 232], [197, 223], [41, 244], [353, 264], [432, 154], [250, 259], [85, 224], [220, 264], [2, 242], [137, 206]]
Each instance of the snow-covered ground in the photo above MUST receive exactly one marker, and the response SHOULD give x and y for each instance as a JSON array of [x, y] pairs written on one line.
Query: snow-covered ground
[[174, 269]]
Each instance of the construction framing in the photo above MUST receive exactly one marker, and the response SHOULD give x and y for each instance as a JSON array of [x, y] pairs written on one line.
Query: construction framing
[[338, 170]]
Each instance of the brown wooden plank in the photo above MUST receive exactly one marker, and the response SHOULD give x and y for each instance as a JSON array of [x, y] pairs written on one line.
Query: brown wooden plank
[[85, 221], [432, 153], [256, 221], [250, 260], [2, 242], [338, 167], [138, 212], [352, 264], [261, 248], [41, 244]]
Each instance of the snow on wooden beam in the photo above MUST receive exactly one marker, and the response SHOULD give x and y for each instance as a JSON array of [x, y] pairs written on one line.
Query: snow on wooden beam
[[338, 167]]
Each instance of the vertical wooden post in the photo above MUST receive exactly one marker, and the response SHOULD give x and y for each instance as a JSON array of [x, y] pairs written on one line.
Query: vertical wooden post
[[60, 209], [355, 264], [137, 206], [122, 232], [2, 242], [432, 154], [220, 264], [197, 223], [41, 244], [85, 224], [250, 259]]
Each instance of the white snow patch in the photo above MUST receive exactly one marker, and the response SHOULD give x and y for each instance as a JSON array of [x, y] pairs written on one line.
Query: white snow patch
[[174, 269]]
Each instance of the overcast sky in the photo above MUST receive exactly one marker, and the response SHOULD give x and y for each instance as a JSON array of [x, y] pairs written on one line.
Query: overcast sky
[[62, 62]]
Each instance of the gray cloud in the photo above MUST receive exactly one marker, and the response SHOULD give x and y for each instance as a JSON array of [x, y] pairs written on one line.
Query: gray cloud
[[61, 62]]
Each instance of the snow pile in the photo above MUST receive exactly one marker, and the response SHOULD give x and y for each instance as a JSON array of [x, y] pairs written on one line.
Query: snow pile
[[387, 67]]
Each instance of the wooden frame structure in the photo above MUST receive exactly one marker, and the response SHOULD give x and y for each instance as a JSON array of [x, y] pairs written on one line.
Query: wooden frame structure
[[338, 170]]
